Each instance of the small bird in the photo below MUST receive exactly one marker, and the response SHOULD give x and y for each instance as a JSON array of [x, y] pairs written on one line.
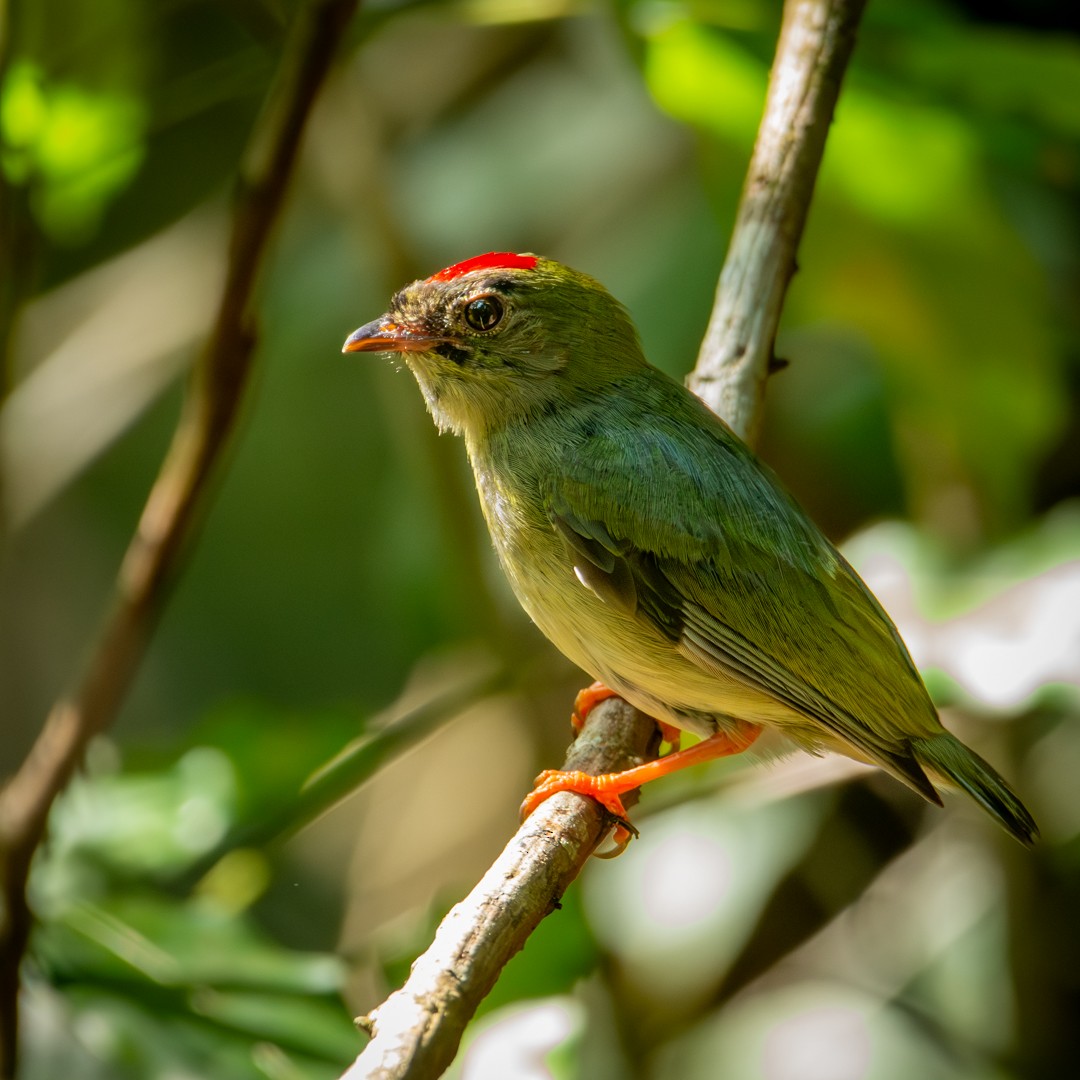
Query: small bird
[[646, 540]]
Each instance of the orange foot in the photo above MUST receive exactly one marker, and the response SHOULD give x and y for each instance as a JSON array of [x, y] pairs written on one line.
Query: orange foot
[[586, 701], [607, 788], [591, 696]]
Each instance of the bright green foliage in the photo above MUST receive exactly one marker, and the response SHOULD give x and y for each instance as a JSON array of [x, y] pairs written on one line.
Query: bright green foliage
[[75, 149], [154, 982]]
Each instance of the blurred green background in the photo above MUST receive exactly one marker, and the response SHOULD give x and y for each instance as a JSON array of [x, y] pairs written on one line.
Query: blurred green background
[[799, 921]]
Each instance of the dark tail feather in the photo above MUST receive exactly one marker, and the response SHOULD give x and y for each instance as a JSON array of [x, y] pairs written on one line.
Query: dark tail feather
[[947, 758]]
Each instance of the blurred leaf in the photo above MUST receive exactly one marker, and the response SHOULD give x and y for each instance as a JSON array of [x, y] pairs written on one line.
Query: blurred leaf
[[679, 904], [1003, 628], [293, 802], [76, 148], [1009, 72], [881, 146], [701, 76], [98, 352], [142, 823], [843, 1031], [303, 1025], [141, 938], [95, 1034], [157, 962], [520, 1042]]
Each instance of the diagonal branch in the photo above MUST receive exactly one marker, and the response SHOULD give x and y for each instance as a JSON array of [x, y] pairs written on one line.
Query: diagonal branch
[[418, 1028], [179, 495], [416, 1032]]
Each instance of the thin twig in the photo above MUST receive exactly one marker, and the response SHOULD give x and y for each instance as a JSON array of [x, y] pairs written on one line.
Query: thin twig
[[178, 497], [416, 1032]]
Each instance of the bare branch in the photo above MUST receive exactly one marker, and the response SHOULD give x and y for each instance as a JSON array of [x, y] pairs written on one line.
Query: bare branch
[[417, 1030], [179, 494], [815, 45]]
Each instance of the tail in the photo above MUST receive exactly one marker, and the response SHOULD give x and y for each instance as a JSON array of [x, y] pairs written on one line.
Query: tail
[[949, 760]]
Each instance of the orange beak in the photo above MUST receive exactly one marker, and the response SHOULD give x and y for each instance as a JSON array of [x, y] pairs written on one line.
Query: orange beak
[[379, 335]]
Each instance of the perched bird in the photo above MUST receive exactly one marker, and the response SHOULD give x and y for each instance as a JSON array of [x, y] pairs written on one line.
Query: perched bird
[[646, 540]]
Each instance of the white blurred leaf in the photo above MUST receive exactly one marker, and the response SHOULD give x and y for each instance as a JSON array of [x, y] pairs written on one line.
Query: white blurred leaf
[[99, 350]]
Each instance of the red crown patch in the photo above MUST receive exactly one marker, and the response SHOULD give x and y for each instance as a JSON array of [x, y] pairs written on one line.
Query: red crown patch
[[493, 260]]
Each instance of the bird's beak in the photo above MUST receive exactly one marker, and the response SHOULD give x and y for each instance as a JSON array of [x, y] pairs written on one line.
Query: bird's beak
[[382, 335]]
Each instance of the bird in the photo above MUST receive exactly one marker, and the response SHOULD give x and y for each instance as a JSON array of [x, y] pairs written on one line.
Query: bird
[[649, 543]]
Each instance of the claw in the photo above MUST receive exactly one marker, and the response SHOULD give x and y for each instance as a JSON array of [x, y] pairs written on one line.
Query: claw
[[621, 836]]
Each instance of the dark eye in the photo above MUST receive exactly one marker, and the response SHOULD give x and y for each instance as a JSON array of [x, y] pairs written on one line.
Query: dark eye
[[484, 313]]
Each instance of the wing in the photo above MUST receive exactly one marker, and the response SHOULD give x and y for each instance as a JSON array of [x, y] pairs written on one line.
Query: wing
[[684, 527]]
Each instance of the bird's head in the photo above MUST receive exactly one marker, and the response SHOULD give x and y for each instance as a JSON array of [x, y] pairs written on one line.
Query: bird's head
[[502, 337]]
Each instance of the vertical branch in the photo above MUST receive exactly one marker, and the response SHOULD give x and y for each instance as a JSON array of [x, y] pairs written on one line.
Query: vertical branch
[[816, 40], [177, 498], [416, 1031]]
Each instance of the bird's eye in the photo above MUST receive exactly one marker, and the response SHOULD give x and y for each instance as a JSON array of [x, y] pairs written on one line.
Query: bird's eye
[[484, 313]]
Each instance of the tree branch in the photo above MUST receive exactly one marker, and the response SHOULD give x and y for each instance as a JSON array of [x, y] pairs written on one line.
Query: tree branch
[[815, 44], [417, 1030], [177, 498]]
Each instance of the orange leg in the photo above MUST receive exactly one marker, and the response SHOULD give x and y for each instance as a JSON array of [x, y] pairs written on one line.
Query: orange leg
[[607, 788]]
